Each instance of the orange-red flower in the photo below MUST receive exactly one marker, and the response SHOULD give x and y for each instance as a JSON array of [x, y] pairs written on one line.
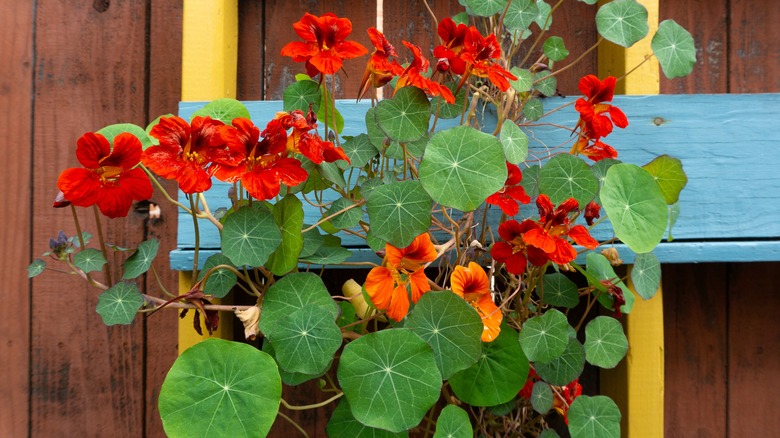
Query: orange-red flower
[[413, 76], [186, 151], [264, 164], [507, 198], [305, 142], [387, 284], [109, 178], [448, 53], [472, 284], [597, 117], [513, 250], [325, 45], [596, 150], [554, 227], [565, 397], [479, 53], [379, 70]]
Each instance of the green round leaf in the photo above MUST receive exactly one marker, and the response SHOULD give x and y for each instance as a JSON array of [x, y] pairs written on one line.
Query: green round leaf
[[450, 110], [533, 109], [565, 368], [224, 110], [399, 212], [515, 142], [119, 304], [670, 176], [250, 235], [141, 260], [111, 131], [390, 379], [89, 260], [530, 182], [453, 422], [360, 150], [566, 176], [555, 49], [288, 215], [599, 268], [635, 206], [462, 167], [300, 95], [605, 342], [624, 22], [347, 219], [544, 337], [559, 291], [219, 388], [306, 341], [498, 375], [483, 8], [312, 241], [543, 18], [289, 377], [525, 79], [329, 253], [594, 417], [451, 327], [674, 48], [541, 397], [646, 275], [545, 84], [292, 292], [35, 268], [520, 15], [343, 425], [220, 281], [333, 173], [404, 118]]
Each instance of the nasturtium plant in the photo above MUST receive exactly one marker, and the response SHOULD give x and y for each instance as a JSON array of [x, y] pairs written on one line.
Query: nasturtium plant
[[453, 422], [646, 275], [250, 235], [141, 260], [89, 260], [594, 417], [674, 48], [624, 22], [605, 342], [119, 304]]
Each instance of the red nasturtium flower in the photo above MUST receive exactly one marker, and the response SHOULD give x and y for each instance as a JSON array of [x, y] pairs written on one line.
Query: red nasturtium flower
[[479, 53], [565, 397], [325, 45], [387, 284], [554, 227], [597, 117], [379, 70], [265, 163], [507, 198], [513, 250], [109, 178], [186, 151], [448, 53], [592, 212], [472, 284], [413, 76], [303, 141]]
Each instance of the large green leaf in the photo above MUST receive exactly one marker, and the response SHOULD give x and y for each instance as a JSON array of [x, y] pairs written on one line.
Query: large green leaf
[[224, 110], [221, 280], [635, 206], [462, 167], [404, 118], [515, 142], [605, 342], [565, 368], [559, 290], [544, 337], [453, 422], [566, 176], [674, 48], [306, 340], [288, 215], [219, 388], [670, 176], [342, 424], [624, 22], [399, 212], [483, 8], [119, 304], [390, 379], [520, 15], [141, 260], [89, 260], [498, 375], [292, 292], [250, 235], [599, 268], [451, 327], [646, 275], [594, 417], [300, 95], [111, 131]]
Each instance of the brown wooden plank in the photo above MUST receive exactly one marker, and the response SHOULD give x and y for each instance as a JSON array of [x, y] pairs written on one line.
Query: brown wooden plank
[[695, 300], [280, 71], [754, 46], [251, 53], [86, 379], [15, 174], [575, 24], [754, 349]]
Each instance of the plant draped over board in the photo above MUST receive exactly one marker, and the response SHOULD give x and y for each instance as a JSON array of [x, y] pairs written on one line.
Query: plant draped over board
[[462, 325]]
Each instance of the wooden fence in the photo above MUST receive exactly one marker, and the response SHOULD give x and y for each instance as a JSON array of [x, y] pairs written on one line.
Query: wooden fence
[[72, 66]]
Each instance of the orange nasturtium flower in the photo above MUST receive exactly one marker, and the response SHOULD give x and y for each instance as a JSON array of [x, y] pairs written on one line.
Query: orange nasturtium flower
[[325, 45], [379, 70], [305, 141], [413, 76], [472, 284], [109, 178], [597, 118], [387, 284]]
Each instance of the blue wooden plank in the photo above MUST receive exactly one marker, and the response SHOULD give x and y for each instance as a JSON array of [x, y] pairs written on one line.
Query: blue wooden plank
[[727, 143]]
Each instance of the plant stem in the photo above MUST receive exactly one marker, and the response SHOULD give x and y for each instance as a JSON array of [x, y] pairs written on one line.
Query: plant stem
[[197, 237], [107, 266], [312, 406], [295, 425]]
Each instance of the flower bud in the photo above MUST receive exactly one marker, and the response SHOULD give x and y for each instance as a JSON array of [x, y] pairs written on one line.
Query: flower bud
[[354, 292]]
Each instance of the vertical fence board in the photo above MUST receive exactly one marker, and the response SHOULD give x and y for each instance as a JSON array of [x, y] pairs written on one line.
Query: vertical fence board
[[695, 300], [90, 64], [251, 51], [15, 91], [754, 46]]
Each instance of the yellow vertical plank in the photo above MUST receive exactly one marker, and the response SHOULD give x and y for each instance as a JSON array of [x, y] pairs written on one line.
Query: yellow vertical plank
[[209, 63], [637, 384]]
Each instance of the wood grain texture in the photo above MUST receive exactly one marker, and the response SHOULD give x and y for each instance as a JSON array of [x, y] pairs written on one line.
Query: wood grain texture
[[15, 177], [754, 47], [251, 50], [695, 308]]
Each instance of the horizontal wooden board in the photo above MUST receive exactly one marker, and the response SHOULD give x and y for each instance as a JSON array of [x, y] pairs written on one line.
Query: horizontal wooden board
[[726, 143]]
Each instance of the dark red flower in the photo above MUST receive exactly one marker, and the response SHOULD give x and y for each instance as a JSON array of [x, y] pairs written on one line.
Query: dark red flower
[[413, 76], [507, 198], [597, 116], [592, 212], [109, 178], [448, 53], [379, 70], [479, 53], [565, 397], [325, 45], [513, 251]]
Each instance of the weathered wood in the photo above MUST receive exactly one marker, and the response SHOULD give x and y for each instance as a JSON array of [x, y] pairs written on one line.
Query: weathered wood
[[754, 47], [16, 24], [251, 50]]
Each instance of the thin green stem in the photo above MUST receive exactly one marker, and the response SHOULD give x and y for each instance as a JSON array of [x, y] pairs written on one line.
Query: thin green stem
[[312, 406], [107, 266], [195, 226]]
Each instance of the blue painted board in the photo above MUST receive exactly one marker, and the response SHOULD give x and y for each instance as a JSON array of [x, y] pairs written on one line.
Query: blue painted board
[[729, 146]]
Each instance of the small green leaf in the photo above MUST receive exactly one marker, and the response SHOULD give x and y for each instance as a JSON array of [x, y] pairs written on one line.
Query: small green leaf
[[670, 176], [565, 368], [674, 48], [250, 235], [360, 150], [551, 433], [288, 215], [300, 95], [545, 84], [404, 118], [515, 143], [312, 241], [544, 337], [333, 173], [141, 260], [329, 253], [119, 303], [594, 417], [220, 281], [599, 268], [520, 15], [450, 110], [483, 8], [533, 109], [605, 342], [567, 176], [399, 212], [559, 291], [541, 397], [292, 292], [589, 2], [346, 219], [342, 424], [646, 275], [35, 268], [624, 22], [306, 340], [530, 182], [89, 260], [555, 49], [111, 131], [219, 388], [224, 110], [453, 422], [543, 18], [525, 79]]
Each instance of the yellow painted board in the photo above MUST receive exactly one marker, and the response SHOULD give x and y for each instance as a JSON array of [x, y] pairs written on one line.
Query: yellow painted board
[[187, 334], [637, 384]]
